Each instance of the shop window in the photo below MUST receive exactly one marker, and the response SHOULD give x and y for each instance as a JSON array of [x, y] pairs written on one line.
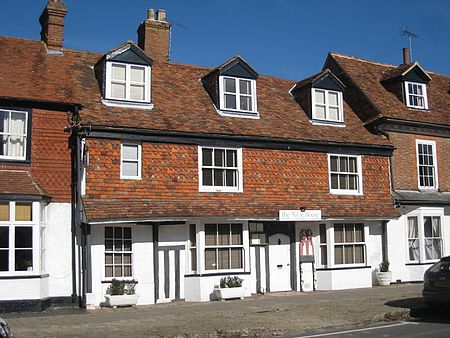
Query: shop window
[[224, 247], [118, 252]]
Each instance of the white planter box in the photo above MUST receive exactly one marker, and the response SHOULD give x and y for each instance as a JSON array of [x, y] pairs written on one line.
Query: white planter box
[[384, 278], [121, 300], [229, 293]]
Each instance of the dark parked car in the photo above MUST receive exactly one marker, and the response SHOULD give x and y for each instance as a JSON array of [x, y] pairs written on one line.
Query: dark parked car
[[5, 332], [436, 283]]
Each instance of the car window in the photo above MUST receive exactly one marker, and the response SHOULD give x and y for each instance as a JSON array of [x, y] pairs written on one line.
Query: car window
[[441, 267]]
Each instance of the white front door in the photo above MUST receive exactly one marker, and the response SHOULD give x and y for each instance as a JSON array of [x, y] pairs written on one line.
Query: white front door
[[280, 263]]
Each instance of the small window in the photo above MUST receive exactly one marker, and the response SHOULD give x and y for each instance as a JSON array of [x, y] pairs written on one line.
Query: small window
[[128, 82], [349, 244], [193, 246], [345, 174], [257, 234], [426, 162], [327, 105], [118, 252], [237, 94], [13, 134], [130, 163], [224, 248], [416, 95], [220, 169]]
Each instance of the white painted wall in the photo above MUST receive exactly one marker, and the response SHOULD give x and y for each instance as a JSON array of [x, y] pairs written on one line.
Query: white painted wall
[[142, 264], [58, 239]]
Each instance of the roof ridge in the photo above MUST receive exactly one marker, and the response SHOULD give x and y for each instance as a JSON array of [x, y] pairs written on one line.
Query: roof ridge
[[363, 60]]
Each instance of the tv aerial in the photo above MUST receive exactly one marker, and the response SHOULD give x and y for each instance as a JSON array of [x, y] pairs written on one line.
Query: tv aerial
[[410, 35]]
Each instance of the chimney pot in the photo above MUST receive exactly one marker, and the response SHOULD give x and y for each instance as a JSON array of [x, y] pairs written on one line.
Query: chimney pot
[[161, 14], [405, 56], [151, 14]]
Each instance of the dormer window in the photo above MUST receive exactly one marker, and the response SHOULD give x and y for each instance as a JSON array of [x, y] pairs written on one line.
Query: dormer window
[[127, 82], [125, 77], [232, 89], [416, 95], [237, 94], [327, 105]]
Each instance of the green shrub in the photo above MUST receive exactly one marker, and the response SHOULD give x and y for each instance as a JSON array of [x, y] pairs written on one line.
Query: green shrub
[[231, 282], [121, 287], [384, 266]]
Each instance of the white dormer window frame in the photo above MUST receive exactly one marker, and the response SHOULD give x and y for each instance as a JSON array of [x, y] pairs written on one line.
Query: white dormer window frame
[[416, 95], [127, 82], [244, 95], [327, 107]]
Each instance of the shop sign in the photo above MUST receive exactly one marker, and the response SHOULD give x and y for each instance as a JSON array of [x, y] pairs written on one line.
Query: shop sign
[[300, 215]]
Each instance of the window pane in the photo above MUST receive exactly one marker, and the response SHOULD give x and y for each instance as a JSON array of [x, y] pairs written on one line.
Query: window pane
[[18, 121], [4, 211], [323, 255], [413, 246], [126, 245], [4, 124], [231, 158], [118, 90], [23, 212], [352, 167], [338, 233], [333, 113], [320, 96], [230, 85], [230, 101], [231, 178], [359, 233], [218, 177], [127, 258], [192, 235], [245, 87], [349, 234], [118, 72], [333, 163], [108, 271], [118, 271], [338, 255], [210, 259], [343, 164], [127, 271], [4, 260], [359, 254], [137, 92], [127, 233], [343, 181], [323, 233], [137, 74], [4, 237], [236, 258], [108, 232], [24, 237], [108, 258], [224, 234], [219, 157], [193, 259], [333, 98], [246, 103], [223, 258], [236, 234], [130, 169], [348, 254], [427, 226], [207, 157], [117, 258], [24, 260], [320, 112], [436, 226], [207, 177], [130, 152], [210, 234]]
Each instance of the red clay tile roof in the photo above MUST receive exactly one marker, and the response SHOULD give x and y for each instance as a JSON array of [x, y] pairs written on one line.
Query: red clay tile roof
[[367, 76], [146, 209], [17, 182], [181, 103]]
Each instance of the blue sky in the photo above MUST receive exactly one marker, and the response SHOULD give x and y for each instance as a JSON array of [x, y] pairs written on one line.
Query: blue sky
[[284, 38]]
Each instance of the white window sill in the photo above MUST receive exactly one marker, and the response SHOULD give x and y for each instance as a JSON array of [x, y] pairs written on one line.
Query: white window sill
[[127, 104], [327, 123], [346, 192], [238, 113], [428, 189], [133, 178], [12, 158], [214, 189]]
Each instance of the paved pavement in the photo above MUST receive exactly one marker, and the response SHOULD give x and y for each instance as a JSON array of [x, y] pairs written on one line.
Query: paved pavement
[[271, 314]]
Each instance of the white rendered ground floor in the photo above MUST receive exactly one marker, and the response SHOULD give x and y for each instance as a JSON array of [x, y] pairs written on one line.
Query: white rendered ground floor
[[186, 260]]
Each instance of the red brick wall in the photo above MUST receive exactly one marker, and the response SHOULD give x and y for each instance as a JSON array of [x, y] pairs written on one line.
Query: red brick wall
[[404, 161], [270, 178], [50, 154]]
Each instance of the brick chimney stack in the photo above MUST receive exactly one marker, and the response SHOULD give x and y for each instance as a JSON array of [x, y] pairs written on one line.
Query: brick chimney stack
[[154, 35], [52, 23]]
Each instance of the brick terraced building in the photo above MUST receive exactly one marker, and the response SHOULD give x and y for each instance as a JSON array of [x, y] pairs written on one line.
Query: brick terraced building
[[180, 175]]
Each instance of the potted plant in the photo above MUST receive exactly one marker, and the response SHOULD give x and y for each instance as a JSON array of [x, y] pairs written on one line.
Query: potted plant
[[121, 293], [384, 276], [230, 287]]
